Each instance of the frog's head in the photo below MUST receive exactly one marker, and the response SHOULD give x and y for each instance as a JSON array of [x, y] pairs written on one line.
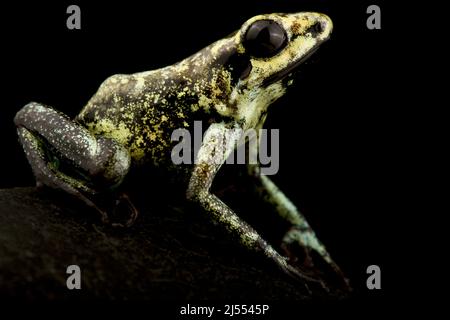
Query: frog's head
[[266, 49]]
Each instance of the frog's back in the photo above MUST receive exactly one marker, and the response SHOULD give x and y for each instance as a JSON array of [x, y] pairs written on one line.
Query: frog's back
[[137, 111]]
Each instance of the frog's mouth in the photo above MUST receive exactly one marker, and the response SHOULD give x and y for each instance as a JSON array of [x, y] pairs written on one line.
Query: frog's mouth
[[289, 69]]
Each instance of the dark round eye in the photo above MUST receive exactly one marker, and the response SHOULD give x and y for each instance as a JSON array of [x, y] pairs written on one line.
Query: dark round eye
[[264, 38]]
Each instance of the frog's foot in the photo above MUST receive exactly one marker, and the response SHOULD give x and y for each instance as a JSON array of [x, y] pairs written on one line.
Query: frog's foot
[[123, 213], [303, 248], [116, 210], [297, 274]]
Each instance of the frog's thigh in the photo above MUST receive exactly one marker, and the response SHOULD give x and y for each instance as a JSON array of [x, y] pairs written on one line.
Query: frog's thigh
[[101, 158]]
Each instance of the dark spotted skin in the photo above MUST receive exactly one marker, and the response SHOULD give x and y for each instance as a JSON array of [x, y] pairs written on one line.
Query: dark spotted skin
[[142, 110], [130, 120]]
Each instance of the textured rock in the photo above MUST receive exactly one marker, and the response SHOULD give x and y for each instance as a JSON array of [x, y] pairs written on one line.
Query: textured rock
[[168, 254]]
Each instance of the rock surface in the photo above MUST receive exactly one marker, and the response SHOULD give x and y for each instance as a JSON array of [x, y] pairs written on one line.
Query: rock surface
[[167, 254]]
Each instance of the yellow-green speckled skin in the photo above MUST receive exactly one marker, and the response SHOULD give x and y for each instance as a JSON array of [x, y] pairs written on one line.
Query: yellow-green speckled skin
[[141, 110], [131, 119]]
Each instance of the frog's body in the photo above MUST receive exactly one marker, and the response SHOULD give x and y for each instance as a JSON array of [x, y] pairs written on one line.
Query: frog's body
[[131, 118], [137, 110]]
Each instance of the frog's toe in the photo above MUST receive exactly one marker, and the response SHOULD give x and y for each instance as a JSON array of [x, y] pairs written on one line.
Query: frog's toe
[[123, 207], [304, 250], [118, 209]]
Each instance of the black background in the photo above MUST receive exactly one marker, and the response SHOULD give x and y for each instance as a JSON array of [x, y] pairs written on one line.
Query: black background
[[339, 125]]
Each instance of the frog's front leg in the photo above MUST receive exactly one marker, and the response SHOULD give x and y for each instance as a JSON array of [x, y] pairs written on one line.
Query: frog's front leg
[[49, 139], [219, 141], [300, 235]]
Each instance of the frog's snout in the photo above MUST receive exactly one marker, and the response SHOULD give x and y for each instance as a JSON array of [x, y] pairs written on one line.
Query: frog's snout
[[322, 26], [315, 24], [326, 26]]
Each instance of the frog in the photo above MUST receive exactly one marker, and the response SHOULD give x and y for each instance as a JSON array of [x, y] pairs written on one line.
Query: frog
[[128, 123]]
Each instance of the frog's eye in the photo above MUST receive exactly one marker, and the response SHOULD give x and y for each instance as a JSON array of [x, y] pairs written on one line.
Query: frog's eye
[[264, 38]]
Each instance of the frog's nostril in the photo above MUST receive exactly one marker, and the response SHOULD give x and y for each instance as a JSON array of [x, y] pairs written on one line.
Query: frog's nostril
[[318, 28]]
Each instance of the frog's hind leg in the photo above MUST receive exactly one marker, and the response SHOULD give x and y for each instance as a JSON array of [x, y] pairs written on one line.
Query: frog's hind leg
[[51, 140]]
